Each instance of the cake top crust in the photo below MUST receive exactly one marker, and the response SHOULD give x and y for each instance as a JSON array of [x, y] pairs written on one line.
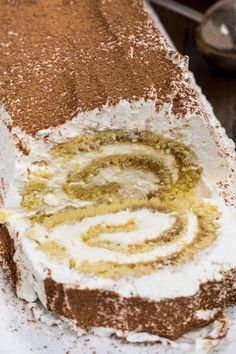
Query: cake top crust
[[62, 57]]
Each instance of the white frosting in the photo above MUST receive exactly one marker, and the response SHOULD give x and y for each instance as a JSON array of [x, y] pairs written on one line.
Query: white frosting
[[130, 337], [148, 226], [205, 314], [7, 155]]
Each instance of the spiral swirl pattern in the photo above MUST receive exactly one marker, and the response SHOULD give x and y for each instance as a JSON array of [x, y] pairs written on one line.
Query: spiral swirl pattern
[[118, 203]]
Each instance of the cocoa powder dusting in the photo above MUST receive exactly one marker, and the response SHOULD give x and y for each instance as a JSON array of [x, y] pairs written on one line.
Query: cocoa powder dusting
[[136, 314], [61, 57], [6, 256]]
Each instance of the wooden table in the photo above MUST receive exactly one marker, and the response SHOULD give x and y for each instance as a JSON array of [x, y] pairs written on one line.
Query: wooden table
[[220, 88]]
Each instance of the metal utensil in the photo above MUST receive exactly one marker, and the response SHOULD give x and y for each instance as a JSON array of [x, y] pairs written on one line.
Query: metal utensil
[[216, 32]]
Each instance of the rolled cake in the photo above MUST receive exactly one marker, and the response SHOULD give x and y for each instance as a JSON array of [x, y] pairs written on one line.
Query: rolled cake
[[117, 182]]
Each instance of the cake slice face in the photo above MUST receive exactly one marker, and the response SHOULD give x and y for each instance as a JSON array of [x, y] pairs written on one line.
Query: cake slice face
[[118, 185]]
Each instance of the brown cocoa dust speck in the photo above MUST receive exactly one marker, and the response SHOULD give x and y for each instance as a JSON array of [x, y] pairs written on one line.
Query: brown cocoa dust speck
[[53, 65]]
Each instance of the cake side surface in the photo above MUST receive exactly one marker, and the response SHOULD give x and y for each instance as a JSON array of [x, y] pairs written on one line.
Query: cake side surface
[[124, 316], [7, 251]]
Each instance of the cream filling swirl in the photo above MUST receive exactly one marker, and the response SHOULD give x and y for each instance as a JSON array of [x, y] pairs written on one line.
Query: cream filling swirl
[[118, 203], [126, 238]]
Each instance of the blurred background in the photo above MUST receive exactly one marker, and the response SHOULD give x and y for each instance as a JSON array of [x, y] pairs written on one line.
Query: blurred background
[[219, 87]]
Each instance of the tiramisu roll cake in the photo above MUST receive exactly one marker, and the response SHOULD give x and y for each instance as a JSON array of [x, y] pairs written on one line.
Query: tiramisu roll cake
[[117, 183]]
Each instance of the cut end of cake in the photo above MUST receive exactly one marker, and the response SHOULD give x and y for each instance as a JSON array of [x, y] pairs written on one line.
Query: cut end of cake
[[114, 214]]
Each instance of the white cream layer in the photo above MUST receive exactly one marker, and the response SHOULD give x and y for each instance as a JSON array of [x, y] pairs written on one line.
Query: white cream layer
[[149, 226]]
